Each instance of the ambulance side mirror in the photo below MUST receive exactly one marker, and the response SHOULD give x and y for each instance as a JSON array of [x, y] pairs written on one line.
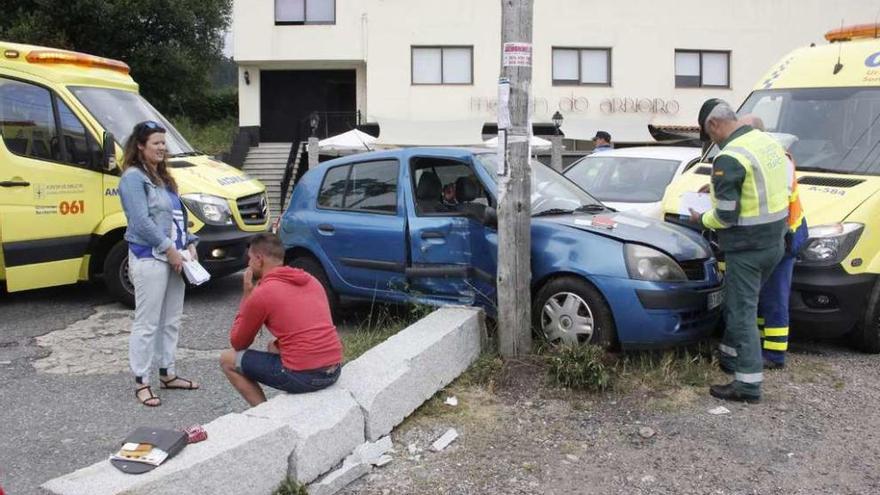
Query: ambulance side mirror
[[108, 160]]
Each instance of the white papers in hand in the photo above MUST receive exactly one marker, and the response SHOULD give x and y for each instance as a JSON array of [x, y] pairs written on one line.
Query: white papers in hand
[[194, 272], [699, 202]]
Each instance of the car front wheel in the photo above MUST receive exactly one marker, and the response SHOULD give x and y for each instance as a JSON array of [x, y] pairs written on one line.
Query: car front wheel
[[116, 276], [570, 311]]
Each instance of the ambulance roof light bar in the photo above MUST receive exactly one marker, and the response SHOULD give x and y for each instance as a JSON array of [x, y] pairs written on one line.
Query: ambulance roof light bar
[[856, 31], [75, 58]]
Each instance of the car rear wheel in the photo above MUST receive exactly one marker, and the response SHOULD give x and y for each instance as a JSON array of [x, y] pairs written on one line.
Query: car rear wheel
[[313, 267], [570, 311], [116, 276], [866, 336]]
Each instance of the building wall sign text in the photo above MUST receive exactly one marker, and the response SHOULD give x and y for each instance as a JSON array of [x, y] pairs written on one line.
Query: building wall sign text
[[581, 104]]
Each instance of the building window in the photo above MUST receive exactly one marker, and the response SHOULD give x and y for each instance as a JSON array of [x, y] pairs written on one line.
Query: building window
[[589, 66], [702, 69], [442, 65], [293, 12]]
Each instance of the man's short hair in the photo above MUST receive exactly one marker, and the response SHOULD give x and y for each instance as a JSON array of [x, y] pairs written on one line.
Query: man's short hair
[[268, 244]]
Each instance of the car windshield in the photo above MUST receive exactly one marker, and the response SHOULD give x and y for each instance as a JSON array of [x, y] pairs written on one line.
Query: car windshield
[[550, 189], [118, 111], [833, 129], [624, 179]]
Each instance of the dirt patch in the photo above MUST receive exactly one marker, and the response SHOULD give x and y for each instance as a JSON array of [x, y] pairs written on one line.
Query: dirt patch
[[815, 432]]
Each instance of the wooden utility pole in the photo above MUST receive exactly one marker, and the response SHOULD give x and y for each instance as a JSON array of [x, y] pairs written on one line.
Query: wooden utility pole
[[514, 195]]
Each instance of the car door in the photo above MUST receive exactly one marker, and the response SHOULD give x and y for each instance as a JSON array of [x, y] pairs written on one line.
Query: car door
[[52, 192], [452, 253], [360, 225]]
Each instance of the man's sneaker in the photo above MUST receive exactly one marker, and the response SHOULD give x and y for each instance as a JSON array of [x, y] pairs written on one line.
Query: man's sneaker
[[773, 365], [730, 392]]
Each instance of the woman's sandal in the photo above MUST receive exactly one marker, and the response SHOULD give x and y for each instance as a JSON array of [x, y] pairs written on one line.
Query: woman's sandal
[[170, 385], [152, 400]]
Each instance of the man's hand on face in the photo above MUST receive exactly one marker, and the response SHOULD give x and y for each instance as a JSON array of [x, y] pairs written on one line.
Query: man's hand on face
[[248, 282]]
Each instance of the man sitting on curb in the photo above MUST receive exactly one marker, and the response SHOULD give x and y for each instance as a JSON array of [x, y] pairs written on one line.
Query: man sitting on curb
[[306, 353]]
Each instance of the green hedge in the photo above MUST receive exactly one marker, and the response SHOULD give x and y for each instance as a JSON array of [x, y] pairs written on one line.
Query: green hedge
[[208, 108]]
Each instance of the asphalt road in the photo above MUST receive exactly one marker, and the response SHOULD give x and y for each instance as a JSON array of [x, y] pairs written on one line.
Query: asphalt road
[[66, 397]]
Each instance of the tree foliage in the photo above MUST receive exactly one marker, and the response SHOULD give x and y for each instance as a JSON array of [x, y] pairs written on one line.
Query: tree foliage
[[170, 45]]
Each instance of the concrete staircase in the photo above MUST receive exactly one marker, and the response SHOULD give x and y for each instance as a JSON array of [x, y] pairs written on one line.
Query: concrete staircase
[[266, 163]]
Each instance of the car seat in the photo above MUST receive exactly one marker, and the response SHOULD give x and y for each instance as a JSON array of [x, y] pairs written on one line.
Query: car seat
[[428, 193]]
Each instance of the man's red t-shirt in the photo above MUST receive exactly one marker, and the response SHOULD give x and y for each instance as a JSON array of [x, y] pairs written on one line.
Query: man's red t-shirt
[[293, 306]]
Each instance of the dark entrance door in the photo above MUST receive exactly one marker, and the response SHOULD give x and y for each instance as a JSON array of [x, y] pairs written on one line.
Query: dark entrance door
[[287, 97]]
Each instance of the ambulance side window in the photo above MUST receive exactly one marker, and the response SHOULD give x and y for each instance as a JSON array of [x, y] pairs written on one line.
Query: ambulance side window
[[27, 123], [79, 147]]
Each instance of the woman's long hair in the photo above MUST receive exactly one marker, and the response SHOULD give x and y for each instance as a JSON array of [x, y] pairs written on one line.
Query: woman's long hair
[[134, 158]]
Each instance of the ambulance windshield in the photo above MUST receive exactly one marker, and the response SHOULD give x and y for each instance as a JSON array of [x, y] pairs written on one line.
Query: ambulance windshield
[[118, 111], [836, 129]]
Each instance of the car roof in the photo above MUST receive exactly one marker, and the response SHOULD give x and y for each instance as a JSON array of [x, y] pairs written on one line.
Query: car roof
[[680, 153], [407, 153]]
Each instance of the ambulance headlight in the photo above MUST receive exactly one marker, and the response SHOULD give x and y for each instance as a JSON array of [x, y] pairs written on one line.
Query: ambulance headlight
[[830, 244], [644, 263], [212, 210]]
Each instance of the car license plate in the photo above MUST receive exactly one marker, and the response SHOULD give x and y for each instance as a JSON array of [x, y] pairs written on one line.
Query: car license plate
[[715, 299]]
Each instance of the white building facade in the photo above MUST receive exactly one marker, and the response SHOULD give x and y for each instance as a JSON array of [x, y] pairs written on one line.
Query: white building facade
[[617, 66]]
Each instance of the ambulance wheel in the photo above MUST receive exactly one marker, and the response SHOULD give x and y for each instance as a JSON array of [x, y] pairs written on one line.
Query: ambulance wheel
[[568, 310], [866, 336], [116, 277], [313, 267]]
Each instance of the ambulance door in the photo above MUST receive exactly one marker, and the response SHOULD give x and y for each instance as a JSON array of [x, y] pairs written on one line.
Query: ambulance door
[[50, 187]]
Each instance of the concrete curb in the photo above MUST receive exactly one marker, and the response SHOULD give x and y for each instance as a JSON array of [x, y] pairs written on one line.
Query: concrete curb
[[304, 436]]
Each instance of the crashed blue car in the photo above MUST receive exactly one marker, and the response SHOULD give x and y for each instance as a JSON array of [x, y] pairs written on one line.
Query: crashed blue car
[[420, 225]]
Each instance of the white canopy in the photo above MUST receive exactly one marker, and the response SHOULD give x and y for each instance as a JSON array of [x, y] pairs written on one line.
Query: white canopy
[[348, 142], [623, 129], [537, 143], [393, 132]]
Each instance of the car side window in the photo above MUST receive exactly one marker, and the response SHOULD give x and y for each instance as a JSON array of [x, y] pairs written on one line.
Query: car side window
[[80, 149], [448, 188], [372, 186], [332, 193], [27, 123]]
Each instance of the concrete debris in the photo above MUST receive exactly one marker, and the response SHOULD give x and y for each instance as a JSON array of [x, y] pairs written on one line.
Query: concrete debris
[[572, 457], [383, 460], [370, 452], [444, 441], [451, 401], [413, 449], [337, 480], [719, 410], [646, 432]]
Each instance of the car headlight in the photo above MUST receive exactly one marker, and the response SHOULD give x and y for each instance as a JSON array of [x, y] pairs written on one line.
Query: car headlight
[[644, 263], [210, 209], [830, 244]]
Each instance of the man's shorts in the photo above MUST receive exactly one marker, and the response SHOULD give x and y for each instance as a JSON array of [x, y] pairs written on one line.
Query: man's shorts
[[266, 368]]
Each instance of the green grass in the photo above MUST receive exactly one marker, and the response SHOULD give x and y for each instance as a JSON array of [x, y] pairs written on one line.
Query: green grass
[[213, 138], [290, 487], [381, 323]]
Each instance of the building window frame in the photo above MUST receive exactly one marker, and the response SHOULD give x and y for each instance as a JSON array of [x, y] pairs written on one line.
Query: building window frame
[[442, 48], [305, 22], [700, 53], [578, 82]]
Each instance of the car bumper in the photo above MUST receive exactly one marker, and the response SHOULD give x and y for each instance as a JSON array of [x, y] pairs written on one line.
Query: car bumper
[[653, 315], [827, 301], [223, 250]]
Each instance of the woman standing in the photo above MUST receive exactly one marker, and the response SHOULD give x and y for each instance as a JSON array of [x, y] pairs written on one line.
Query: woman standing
[[157, 236]]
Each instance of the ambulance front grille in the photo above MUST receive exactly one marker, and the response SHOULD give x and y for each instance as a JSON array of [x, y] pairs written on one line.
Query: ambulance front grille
[[253, 209]]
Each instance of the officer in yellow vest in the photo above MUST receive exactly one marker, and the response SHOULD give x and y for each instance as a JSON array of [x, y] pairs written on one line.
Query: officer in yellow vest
[[750, 193]]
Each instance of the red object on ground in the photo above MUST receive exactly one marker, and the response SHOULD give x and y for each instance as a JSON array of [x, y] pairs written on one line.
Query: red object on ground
[[293, 306], [194, 434]]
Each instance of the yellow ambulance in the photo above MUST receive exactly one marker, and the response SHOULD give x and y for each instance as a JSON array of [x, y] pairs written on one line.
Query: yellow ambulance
[[826, 99], [64, 117]]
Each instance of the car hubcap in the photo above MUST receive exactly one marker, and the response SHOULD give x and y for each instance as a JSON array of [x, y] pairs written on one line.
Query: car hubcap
[[566, 319]]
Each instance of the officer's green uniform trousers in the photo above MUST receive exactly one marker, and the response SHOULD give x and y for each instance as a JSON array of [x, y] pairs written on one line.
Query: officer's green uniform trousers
[[750, 193]]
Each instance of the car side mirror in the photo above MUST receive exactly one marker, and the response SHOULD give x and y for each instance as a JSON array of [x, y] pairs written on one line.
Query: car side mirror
[[108, 159], [490, 217]]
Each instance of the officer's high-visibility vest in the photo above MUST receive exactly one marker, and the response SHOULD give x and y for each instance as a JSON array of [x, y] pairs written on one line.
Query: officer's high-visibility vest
[[765, 193]]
